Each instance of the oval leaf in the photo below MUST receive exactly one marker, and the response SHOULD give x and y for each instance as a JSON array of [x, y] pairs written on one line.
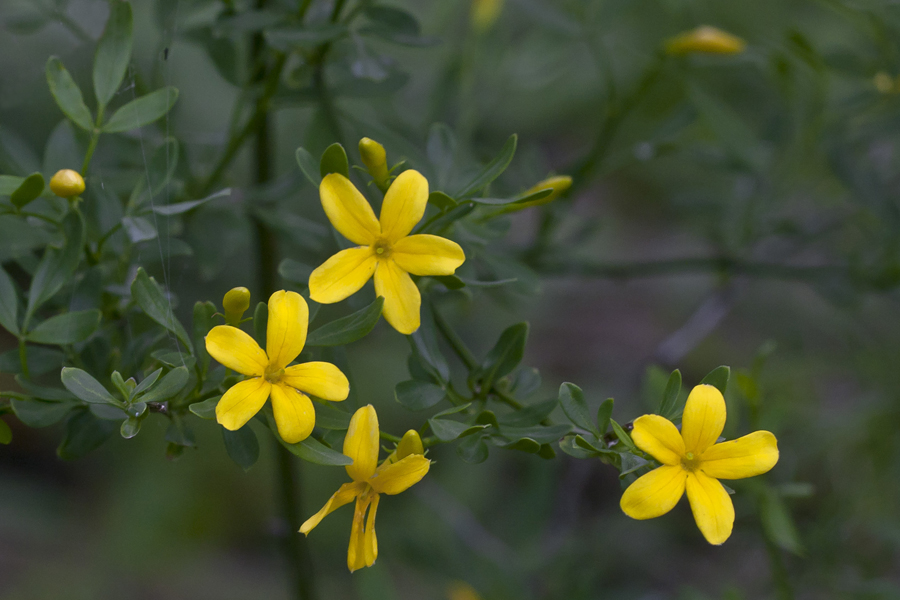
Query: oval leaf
[[142, 111], [418, 395], [32, 187], [113, 53], [85, 387], [347, 329], [68, 328], [67, 94]]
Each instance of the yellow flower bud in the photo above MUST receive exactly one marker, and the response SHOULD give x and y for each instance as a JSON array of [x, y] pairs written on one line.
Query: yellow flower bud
[[410, 443], [558, 183], [375, 159], [236, 302], [459, 590], [886, 84], [67, 184], [705, 40], [484, 13]]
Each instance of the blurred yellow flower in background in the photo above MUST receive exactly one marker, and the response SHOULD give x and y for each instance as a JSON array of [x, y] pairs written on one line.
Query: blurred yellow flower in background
[[705, 40], [692, 461], [484, 13], [369, 481]]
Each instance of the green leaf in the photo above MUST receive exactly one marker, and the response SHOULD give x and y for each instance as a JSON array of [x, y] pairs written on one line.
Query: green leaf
[[668, 406], [571, 398], [85, 387], [506, 354], [543, 434], [57, 266], [314, 451], [9, 184], [308, 166], [530, 415], [242, 446], [139, 229], [441, 200], [334, 160], [202, 323], [418, 395], [447, 219], [524, 445], [5, 433], [183, 207], [67, 328], [84, 432], [570, 446], [9, 304], [447, 430], [538, 195], [623, 437], [206, 409], [169, 386], [51, 394], [718, 378], [150, 298], [142, 111], [304, 38], [451, 282], [113, 52], [67, 94], [330, 417], [40, 360], [347, 329], [130, 427], [159, 172], [37, 413], [492, 171], [778, 524], [32, 187], [147, 383], [473, 450], [424, 342], [604, 413]]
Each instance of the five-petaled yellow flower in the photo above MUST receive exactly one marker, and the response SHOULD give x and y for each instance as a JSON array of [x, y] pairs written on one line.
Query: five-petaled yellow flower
[[270, 374], [693, 461], [386, 248], [395, 475]]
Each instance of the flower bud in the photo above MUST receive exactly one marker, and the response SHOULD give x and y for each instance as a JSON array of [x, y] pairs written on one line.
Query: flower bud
[[67, 184], [236, 302], [375, 159], [484, 13], [410, 443], [705, 40], [886, 84], [558, 183]]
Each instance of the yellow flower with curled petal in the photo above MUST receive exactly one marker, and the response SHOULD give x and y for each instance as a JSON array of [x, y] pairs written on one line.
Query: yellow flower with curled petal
[[369, 481], [269, 373], [693, 461], [386, 250]]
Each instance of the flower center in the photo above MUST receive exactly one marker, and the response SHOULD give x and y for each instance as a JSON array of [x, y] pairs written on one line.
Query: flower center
[[381, 248], [273, 375], [690, 463]]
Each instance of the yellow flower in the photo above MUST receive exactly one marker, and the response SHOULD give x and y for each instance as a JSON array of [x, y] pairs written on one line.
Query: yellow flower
[[706, 40], [269, 373], [693, 461], [67, 183], [386, 250], [361, 444]]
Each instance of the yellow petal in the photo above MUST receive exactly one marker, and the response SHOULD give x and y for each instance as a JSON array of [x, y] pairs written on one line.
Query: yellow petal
[[402, 300], [703, 418], [655, 493], [345, 494], [241, 402], [748, 456], [342, 275], [361, 443], [371, 542], [659, 438], [428, 255], [356, 552], [348, 210], [294, 413], [236, 350], [320, 379], [286, 329], [393, 478], [712, 508], [404, 205]]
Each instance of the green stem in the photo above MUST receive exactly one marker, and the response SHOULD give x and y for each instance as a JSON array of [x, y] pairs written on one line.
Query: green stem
[[456, 343], [783, 588], [31, 214], [294, 544], [388, 437], [23, 357], [15, 395], [95, 137]]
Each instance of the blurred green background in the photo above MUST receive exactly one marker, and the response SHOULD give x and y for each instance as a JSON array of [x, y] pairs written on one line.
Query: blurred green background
[[727, 209]]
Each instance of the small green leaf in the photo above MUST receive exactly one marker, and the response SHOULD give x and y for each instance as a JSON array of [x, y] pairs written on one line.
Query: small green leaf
[[153, 302], [206, 409], [308, 166], [418, 395], [492, 170], [9, 304], [142, 111], [718, 378], [604, 413], [288, 39], [113, 52], [447, 218], [32, 187], [37, 413], [314, 451], [668, 406], [571, 398], [148, 381], [169, 386], [330, 417], [334, 160], [623, 436], [424, 342], [84, 433], [506, 354], [50, 394], [9, 184], [543, 434], [778, 524], [530, 415], [451, 282], [473, 450], [447, 430], [5, 433], [182, 207], [242, 446], [67, 328], [130, 427], [538, 195], [441, 200], [524, 445], [67, 94], [57, 266], [260, 324], [347, 329], [86, 387]]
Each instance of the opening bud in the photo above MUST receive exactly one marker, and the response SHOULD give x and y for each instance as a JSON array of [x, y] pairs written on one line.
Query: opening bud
[[705, 40], [375, 159], [410, 443], [67, 184], [236, 302]]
